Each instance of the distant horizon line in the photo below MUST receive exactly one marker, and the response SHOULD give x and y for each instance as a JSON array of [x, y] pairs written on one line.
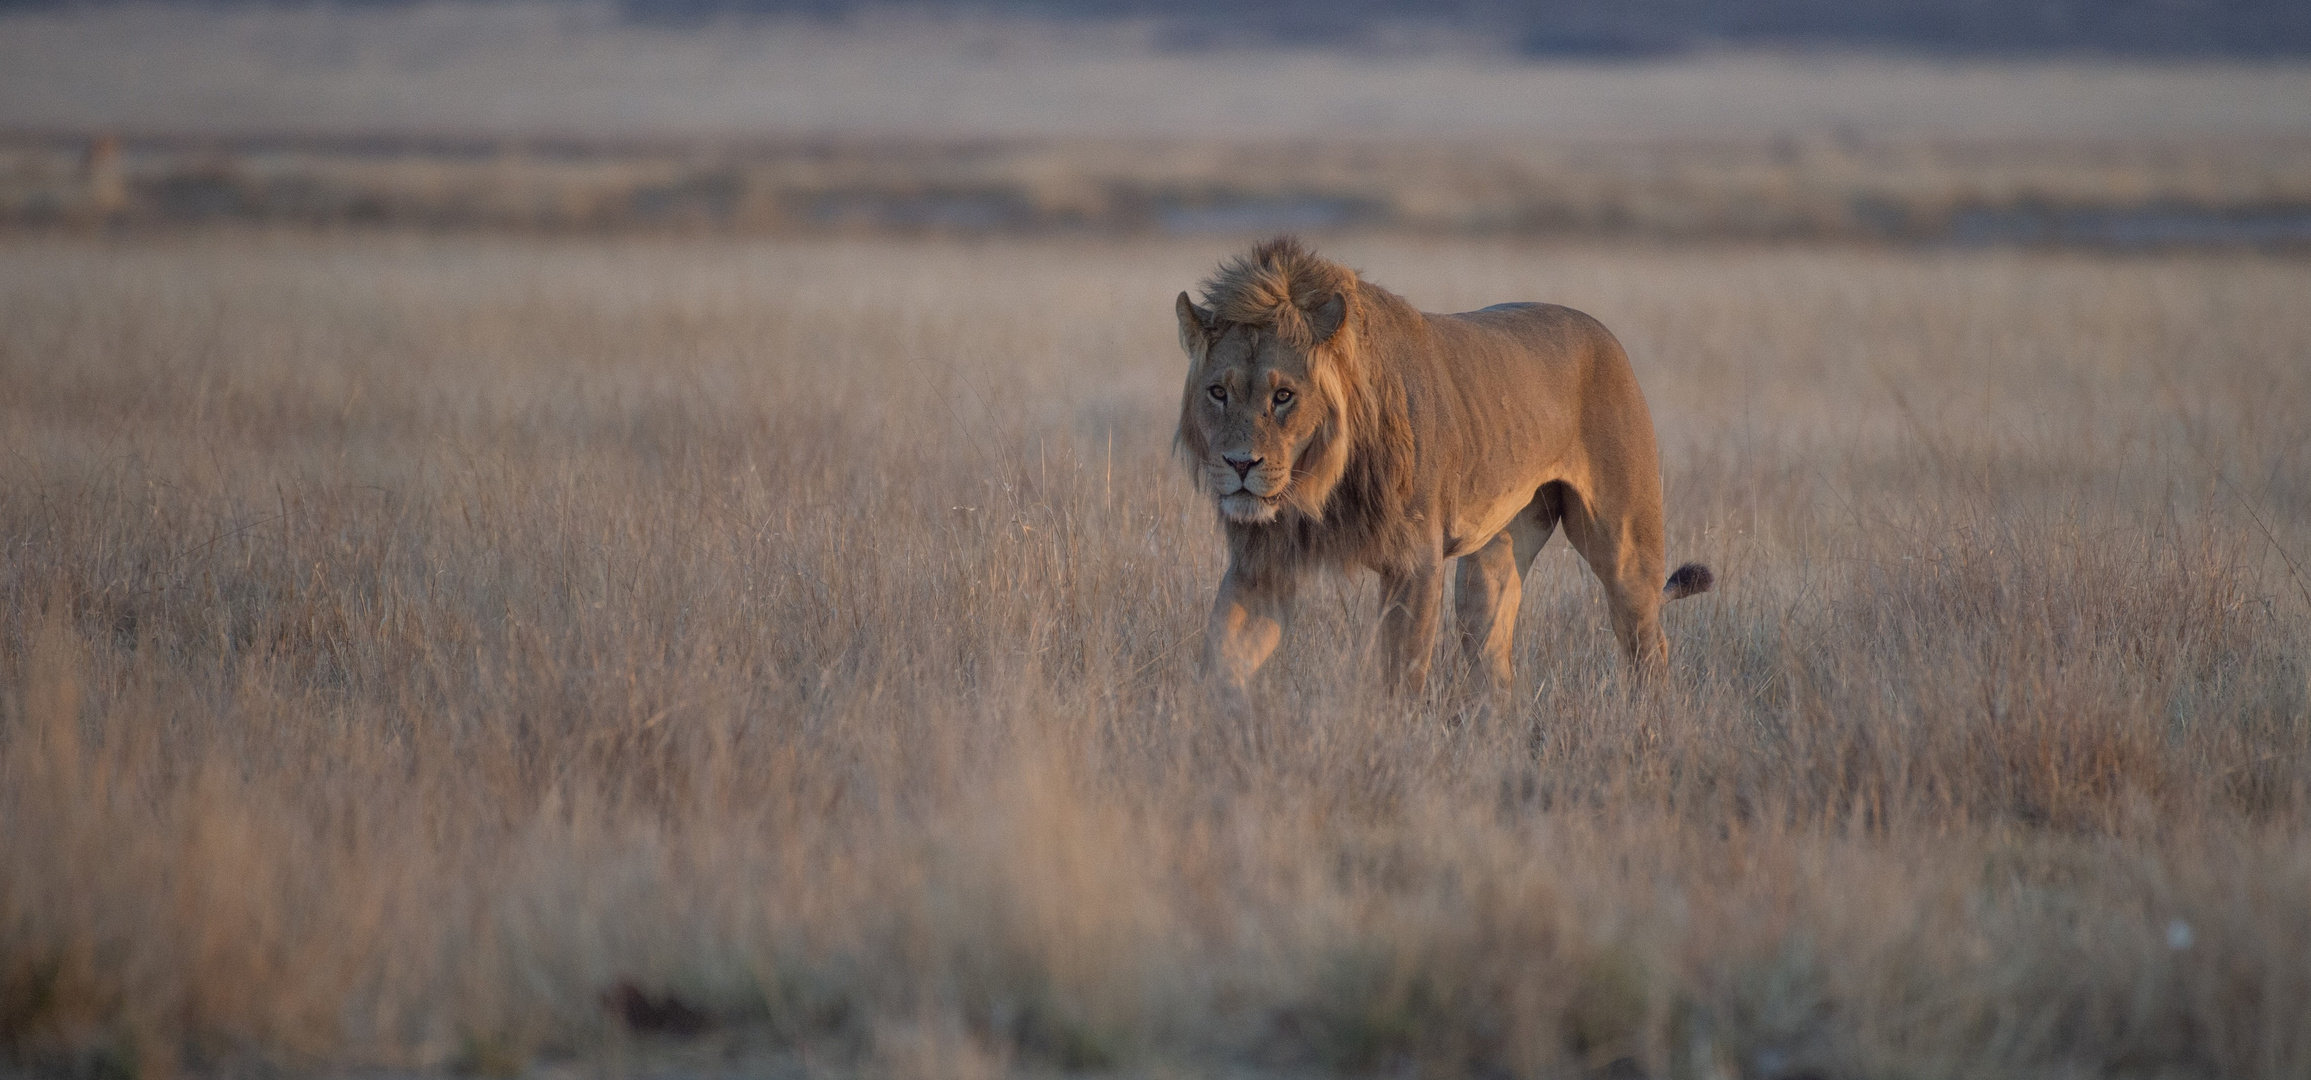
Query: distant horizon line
[[1596, 31]]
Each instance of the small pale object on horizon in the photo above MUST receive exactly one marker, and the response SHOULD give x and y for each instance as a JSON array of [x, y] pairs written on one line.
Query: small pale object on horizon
[[2179, 935]]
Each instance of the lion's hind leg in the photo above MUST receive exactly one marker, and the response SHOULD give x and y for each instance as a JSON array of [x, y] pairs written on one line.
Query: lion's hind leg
[[1489, 587], [1486, 591], [1622, 545]]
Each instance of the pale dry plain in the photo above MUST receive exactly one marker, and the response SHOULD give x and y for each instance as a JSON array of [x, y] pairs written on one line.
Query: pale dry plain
[[531, 68], [412, 648]]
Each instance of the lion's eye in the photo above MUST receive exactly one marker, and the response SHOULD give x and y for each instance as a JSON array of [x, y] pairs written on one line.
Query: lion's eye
[[1219, 393], [1283, 396]]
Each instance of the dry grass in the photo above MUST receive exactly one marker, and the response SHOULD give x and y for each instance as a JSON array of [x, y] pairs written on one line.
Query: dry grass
[[411, 649]]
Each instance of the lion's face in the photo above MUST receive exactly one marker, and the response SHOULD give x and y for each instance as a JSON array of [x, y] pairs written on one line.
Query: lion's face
[[1251, 411], [1258, 413]]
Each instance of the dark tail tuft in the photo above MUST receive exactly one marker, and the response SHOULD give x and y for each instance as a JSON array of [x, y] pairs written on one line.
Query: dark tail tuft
[[1689, 579]]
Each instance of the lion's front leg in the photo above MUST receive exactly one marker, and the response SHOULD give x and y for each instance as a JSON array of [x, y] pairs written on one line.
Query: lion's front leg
[[1247, 621], [1409, 599]]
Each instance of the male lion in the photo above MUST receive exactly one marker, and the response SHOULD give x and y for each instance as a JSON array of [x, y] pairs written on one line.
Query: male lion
[[1338, 426]]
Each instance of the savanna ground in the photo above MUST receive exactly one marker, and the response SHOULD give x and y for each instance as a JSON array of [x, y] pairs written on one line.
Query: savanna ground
[[502, 655]]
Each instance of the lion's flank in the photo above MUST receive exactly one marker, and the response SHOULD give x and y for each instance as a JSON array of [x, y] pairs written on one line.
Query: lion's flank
[[1275, 285]]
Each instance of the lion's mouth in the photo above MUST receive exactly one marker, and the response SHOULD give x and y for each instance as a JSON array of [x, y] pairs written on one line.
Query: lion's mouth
[[1251, 507], [1275, 496]]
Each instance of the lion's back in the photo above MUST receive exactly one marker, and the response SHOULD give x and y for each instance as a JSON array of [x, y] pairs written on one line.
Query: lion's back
[[1535, 350], [1545, 330], [1517, 389]]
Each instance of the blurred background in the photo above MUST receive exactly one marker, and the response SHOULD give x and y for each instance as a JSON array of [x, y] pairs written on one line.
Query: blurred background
[[2113, 123]]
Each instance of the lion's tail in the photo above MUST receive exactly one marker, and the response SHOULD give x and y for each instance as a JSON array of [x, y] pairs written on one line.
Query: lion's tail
[[1689, 579]]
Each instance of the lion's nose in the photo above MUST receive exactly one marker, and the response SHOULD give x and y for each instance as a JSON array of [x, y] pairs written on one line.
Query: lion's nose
[[1242, 463]]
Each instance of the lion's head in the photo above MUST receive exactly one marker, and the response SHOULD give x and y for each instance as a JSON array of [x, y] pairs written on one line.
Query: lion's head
[[1275, 388]]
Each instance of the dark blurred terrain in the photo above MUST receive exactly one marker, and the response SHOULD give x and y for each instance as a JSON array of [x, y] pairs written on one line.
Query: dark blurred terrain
[[1631, 28], [1628, 28], [2229, 193], [1612, 28]]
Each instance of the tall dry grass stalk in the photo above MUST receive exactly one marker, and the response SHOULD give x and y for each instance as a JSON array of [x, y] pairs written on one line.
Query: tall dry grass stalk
[[426, 653]]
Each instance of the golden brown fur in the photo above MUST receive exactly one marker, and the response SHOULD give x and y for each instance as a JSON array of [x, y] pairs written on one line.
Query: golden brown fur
[[1335, 425]]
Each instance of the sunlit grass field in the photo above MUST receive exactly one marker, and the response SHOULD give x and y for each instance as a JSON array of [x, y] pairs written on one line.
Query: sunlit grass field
[[521, 655]]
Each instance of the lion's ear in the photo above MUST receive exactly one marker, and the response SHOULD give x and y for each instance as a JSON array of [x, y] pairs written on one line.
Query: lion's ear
[[1195, 327], [1324, 319]]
